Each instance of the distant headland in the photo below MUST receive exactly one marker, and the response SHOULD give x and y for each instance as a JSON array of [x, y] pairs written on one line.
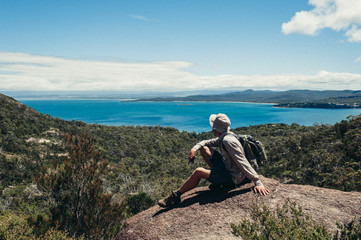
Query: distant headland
[[288, 99]]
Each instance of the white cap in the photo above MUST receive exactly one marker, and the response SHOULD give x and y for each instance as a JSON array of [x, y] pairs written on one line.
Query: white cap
[[219, 122]]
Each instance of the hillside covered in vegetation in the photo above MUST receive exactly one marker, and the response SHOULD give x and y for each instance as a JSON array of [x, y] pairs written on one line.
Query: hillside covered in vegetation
[[290, 98], [134, 166]]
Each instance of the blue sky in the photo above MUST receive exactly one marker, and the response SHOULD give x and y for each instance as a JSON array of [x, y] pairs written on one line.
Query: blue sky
[[179, 45]]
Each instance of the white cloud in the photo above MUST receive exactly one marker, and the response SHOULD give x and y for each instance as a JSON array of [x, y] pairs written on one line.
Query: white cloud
[[139, 17], [21, 71], [358, 59], [354, 34], [303, 22], [334, 14]]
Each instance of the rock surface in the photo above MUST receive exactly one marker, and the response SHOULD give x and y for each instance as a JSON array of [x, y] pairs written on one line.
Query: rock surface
[[205, 214]]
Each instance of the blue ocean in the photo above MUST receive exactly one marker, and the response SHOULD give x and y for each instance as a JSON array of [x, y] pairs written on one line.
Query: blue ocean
[[188, 116]]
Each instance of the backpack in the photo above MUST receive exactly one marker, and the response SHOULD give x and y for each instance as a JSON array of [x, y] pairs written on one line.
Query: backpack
[[253, 149]]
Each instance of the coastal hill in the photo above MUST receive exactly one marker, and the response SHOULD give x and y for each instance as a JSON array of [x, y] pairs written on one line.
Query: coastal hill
[[291, 98], [205, 214]]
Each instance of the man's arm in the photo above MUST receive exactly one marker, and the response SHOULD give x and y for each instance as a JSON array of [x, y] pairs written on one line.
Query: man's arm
[[209, 143], [192, 155]]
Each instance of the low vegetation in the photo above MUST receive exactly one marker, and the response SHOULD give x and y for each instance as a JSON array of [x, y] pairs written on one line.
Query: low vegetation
[[289, 222], [16, 226]]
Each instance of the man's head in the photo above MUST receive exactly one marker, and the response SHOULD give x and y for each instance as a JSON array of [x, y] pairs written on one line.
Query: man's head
[[220, 122]]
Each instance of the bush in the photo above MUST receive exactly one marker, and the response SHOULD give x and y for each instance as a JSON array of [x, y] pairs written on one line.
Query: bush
[[349, 231], [80, 205], [16, 227], [288, 222], [139, 202]]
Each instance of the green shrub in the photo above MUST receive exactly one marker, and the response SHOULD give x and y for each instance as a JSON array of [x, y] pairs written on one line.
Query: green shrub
[[16, 227], [349, 231], [139, 202], [287, 222], [81, 207]]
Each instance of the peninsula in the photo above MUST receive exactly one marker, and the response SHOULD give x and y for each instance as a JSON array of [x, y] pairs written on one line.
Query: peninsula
[[291, 98]]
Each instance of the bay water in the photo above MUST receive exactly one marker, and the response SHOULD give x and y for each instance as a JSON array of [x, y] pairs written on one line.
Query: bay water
[[188, 116]]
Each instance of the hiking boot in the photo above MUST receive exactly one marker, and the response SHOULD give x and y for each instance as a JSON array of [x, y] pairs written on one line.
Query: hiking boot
[[170, 201]]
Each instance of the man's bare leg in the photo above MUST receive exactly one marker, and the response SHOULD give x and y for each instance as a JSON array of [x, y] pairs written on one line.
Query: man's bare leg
[[194, 179], [207, 153], [200, 172]]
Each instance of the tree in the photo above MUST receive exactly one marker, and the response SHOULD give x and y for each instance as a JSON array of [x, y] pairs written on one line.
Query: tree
[[80, 205]]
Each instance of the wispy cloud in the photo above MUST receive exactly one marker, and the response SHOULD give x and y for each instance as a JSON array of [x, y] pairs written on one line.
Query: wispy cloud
[[334, 14], [21, 71], [143, 18], [358, 59]]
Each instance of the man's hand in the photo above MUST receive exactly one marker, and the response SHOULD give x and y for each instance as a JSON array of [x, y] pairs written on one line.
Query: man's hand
[[262, 190], [192, 155]]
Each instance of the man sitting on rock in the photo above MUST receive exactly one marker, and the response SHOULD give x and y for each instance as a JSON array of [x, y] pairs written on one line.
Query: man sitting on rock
[[229, 167]]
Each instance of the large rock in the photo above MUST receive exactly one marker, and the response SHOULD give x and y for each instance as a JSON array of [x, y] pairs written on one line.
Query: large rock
[[205, 214]]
